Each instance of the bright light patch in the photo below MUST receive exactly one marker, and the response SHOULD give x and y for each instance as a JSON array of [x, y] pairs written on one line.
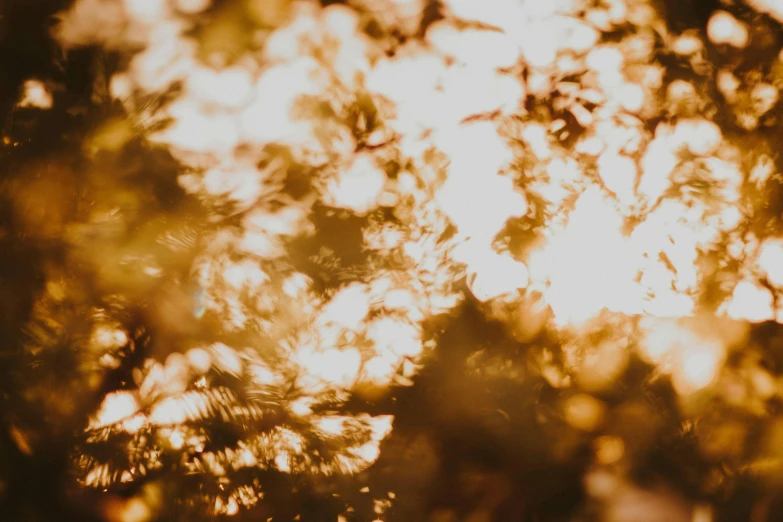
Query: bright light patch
[[389, 77], [751, 302], [491, 275], [332, 367], [499, 13], [687, 44], [723, 28], [359, 187], [698, 367], [770, 260], [146, 10], [584, 412], [702, 137], [331, 425], [588, 265], [660, 339], [36, 94], [348, 308], [607, 61], [692, 359], [226, 359], [199, 360], [193, 130], [176, 439], [115, 407], [108, 338], [618, 174], [192, 6], [392, 336], [473, 47], [270, 117], [657, 164], [229, 87], [170, 411]]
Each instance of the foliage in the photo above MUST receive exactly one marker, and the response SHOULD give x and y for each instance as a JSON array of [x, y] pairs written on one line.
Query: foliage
[[404, 260]]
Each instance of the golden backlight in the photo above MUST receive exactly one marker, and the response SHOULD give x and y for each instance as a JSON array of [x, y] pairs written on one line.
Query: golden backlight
[[500, 116]]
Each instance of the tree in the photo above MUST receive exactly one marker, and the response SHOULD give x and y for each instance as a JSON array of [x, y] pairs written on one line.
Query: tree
[[407, 260]]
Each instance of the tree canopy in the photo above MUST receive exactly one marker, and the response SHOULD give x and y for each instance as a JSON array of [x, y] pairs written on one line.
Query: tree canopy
[[391, 260]]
